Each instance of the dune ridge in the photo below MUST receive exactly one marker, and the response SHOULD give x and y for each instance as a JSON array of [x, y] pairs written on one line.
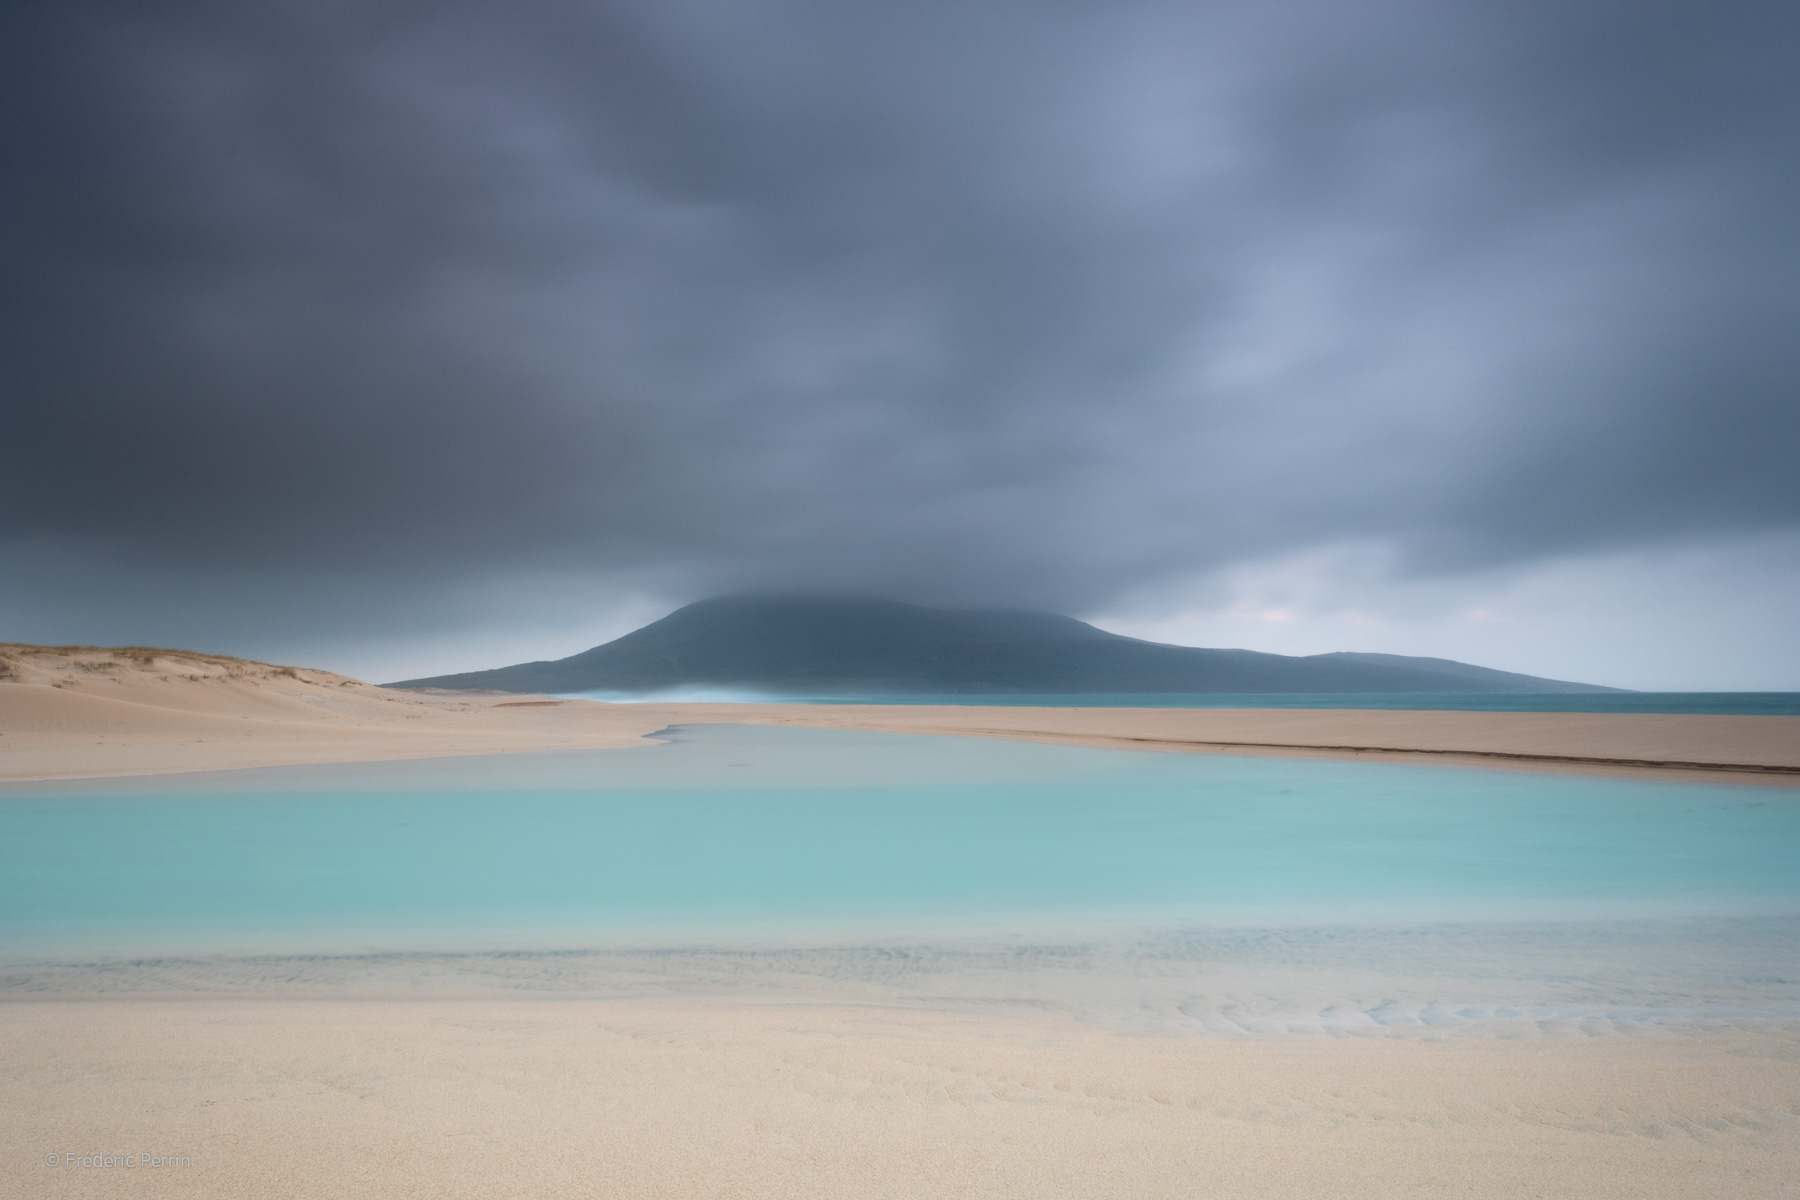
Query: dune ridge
[[71, 711]]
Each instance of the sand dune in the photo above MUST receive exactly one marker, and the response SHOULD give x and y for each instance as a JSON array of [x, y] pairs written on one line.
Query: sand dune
[[70, 712]]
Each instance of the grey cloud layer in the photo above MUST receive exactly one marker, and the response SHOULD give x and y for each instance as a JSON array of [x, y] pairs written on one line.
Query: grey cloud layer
[[978, 302]]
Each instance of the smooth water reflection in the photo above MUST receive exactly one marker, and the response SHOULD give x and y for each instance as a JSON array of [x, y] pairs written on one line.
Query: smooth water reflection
[[735, 832]]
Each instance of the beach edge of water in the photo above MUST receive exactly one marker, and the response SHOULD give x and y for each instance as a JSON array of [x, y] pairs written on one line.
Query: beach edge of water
[[108, 727]]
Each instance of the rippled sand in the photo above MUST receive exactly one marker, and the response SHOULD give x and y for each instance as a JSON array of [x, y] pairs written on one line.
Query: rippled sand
[[664, 1097], [1646, 1060]]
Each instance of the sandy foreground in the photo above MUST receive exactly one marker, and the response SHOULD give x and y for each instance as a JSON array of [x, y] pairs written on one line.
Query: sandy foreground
[[678, 1098], [73, 713], [770, 1091]]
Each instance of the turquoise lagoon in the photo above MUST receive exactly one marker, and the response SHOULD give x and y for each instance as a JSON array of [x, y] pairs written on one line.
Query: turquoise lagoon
[[1184, 888]]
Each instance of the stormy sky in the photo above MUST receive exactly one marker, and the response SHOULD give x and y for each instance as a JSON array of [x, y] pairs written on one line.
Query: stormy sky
[[403, 338]]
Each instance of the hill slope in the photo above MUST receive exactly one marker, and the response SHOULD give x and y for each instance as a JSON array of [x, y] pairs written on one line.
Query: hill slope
[[804, 645], [135, 710]]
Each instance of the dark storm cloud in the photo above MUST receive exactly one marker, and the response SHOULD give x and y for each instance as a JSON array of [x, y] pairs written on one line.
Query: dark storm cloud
[[996, 301]]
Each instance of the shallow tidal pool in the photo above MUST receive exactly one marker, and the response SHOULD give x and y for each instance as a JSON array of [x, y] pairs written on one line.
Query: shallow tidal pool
[[1243, 880]]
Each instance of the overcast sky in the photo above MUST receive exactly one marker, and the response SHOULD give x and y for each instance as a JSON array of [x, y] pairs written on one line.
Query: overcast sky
[[404, 338]]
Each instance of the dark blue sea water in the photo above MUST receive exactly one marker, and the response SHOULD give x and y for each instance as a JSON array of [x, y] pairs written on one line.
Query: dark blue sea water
[[1726, 703]]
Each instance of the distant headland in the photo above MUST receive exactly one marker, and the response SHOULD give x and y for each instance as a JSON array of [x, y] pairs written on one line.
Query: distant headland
[[800, 645]]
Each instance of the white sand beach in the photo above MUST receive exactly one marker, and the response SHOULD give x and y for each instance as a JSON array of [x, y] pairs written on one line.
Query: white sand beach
[[711, 1097]]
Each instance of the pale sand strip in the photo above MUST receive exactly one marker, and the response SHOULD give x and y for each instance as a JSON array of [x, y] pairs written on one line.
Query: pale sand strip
[[99, 713], [1693, 747], [699, 1097]]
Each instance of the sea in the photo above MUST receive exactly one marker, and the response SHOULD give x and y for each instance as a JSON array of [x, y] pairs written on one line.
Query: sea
[[1207, 893], [1720, 703]]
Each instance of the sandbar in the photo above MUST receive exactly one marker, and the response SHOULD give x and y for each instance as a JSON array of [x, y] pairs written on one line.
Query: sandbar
[[75, 712]]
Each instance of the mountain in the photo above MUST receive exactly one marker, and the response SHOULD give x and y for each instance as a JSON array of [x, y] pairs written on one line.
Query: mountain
[[811, 645]]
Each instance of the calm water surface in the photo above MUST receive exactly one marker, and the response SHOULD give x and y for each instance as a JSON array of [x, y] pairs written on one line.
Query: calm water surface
[[772, 833], [1720, 703]]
